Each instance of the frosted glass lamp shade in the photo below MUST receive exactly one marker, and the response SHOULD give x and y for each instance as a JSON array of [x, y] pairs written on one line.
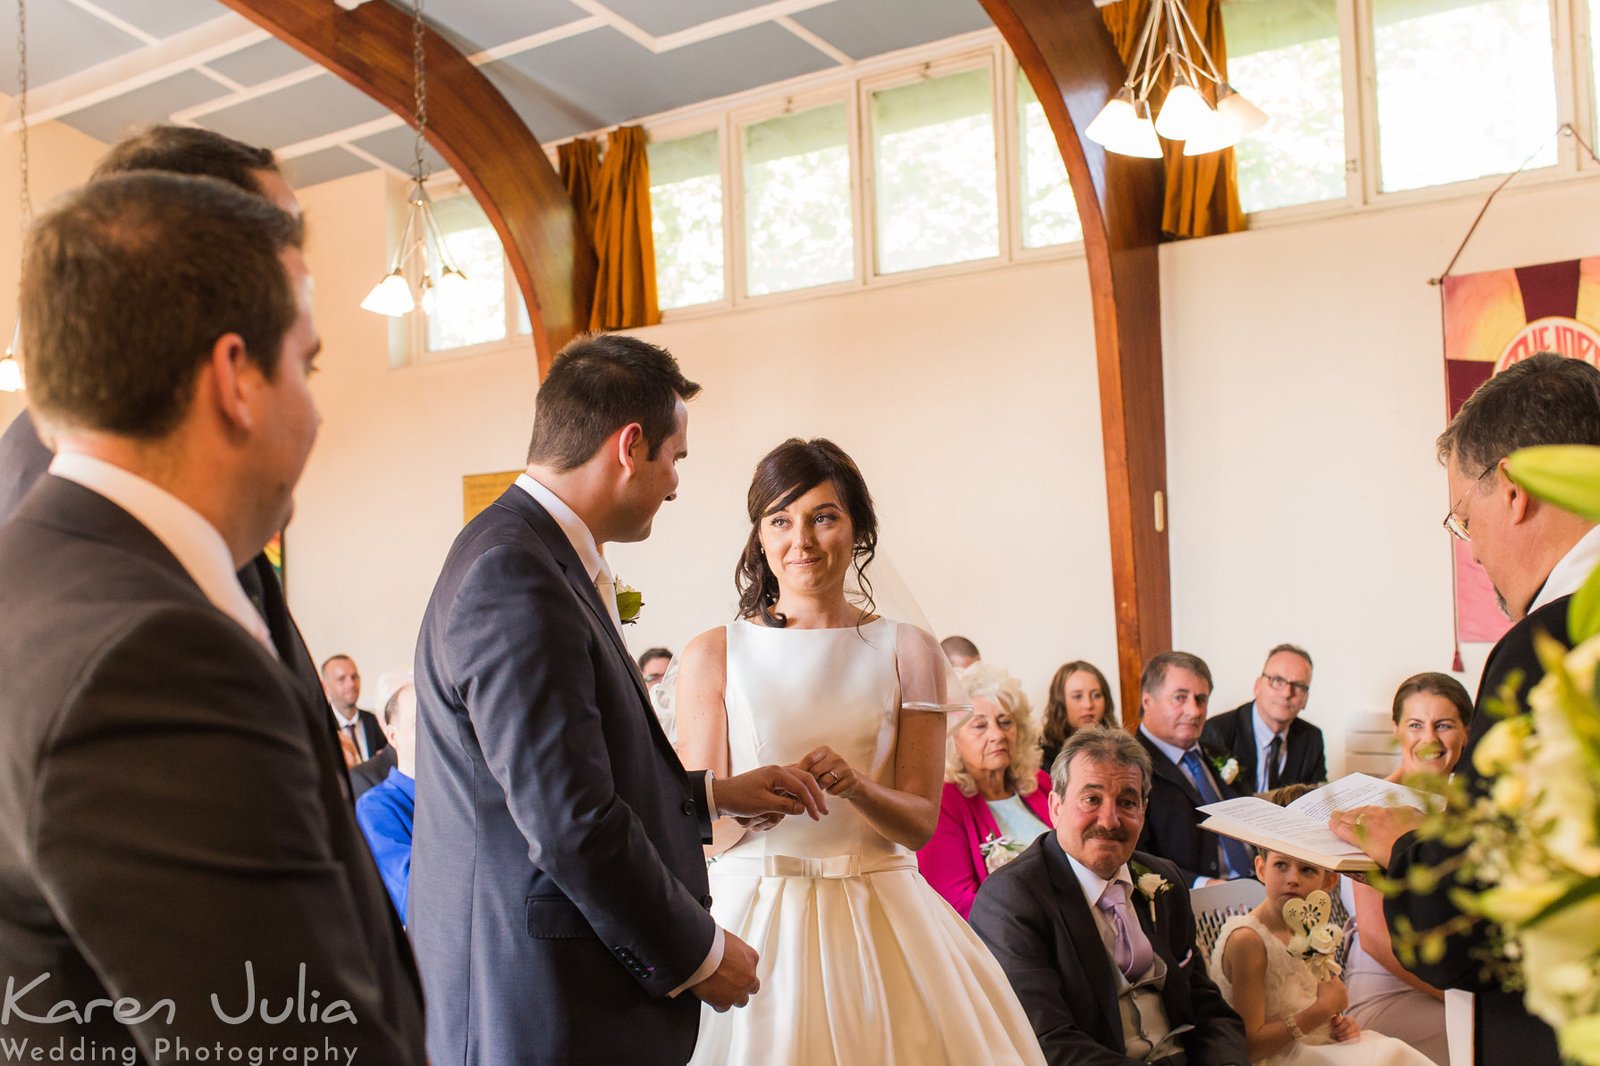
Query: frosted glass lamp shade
[[1185, 114], [391, 296], [1114, 121], [1240, 113], [10, 374]]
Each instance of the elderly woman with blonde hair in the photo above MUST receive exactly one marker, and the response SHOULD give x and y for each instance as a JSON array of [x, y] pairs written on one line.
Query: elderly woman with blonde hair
[[995, 798]]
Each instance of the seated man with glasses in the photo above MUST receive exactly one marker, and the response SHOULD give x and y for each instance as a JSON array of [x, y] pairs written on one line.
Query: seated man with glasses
[[1273, 745]]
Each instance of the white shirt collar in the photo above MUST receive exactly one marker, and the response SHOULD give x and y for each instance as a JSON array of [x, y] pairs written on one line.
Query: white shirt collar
[[1264, 731], [1093, 884], [1569, 573], [193, 541], [1171, 751], [578, 534]]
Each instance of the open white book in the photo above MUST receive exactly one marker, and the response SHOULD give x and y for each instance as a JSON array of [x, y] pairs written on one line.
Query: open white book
[[1301, 829]]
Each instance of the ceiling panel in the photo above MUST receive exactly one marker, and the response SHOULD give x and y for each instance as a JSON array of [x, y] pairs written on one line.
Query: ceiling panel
[[108, 121], [865, 28], [474, 25], [259, 63], [326, 165], [323, 104], [659, 19], [162, 18], [397, 147], [636, 83], [62, 40]]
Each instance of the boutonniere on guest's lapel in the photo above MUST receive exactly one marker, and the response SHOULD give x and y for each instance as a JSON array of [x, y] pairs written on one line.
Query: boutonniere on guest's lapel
[[1149, 884], [629, 601], [998, 850], [1226, 768]]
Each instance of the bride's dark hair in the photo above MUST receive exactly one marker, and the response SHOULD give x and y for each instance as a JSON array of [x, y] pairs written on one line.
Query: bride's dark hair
[[783, 475]]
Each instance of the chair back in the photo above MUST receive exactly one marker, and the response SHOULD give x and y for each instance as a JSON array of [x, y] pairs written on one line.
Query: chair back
[[1215, 904]]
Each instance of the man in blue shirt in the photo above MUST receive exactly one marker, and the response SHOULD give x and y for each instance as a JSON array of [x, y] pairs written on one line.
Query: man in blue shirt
[[385, 811]]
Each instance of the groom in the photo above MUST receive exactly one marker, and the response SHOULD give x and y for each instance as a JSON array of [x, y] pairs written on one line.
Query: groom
[[558, 888]]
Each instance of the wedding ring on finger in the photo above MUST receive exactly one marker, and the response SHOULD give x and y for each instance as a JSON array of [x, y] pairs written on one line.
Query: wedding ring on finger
[[823, 779]]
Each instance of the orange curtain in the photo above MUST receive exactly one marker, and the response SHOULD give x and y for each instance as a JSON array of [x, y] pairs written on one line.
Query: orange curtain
[[579, 164], [625, 284], [1202, 191]]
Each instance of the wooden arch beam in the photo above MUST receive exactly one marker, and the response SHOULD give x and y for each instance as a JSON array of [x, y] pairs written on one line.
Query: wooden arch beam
[[477, 132], [1067, 54]]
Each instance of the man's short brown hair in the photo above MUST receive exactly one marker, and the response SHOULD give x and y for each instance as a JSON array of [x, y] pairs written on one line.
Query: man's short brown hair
[[187, 150], [130, 282], [598, 384], [1544, 399], [1155, 671]]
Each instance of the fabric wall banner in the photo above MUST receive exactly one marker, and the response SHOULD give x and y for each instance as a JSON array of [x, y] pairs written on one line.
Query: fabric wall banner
[[1492, 320]]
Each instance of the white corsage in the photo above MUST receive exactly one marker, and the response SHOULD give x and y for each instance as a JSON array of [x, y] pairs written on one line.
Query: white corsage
[[997, 851], [1313, 938], [1227, 769], [1148, 884]]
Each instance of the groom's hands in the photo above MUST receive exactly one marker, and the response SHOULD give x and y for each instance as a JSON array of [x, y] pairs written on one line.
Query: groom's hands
[[734, 982], [769, 790]]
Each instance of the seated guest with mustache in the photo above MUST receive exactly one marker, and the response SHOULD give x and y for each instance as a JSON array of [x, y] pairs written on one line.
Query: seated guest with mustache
[[1099, 939], [993, 805]]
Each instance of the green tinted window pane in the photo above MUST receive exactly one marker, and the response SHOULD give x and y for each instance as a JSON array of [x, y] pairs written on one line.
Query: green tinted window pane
[[1464, 89], [473, 312], [798, 230], [1049, 214], [686, 219], [1283, 56], [934, 173]]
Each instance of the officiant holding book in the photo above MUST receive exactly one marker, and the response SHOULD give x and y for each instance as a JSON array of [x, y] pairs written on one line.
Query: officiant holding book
[[1536, 555]]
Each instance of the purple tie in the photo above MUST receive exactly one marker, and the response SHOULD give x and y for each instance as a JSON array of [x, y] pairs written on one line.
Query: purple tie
[[1131, 952]]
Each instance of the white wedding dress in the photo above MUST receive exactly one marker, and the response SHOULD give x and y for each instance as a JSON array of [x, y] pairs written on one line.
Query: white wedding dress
[[1291, 988], [861, 961]]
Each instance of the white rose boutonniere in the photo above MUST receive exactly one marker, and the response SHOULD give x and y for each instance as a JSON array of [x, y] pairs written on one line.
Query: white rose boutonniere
[[1148, 884], [629, 601], [1227, 769], [997, 851]]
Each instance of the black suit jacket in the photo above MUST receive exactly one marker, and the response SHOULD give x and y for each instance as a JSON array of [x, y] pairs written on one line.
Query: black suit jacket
[[1503, 1029], [371, 731], [1171, 822], [1032, 914], [23, 460], [172, 807], [1235, 733], [369, 774], [558, 886]]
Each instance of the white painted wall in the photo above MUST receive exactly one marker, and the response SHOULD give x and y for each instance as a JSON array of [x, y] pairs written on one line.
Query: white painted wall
[[1304, 389]]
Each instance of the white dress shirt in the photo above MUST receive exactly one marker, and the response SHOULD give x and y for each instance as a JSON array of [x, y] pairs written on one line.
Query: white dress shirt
[[358, 735], [193, 541], [1146, 1029], [594, 566], [1570, 572], [1263, 735]]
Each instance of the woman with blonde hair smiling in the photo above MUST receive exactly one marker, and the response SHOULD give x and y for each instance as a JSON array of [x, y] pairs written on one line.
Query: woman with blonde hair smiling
[[995, 798]]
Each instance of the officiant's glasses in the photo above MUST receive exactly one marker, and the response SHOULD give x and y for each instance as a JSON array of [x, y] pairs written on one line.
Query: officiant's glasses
[[1457, 524]]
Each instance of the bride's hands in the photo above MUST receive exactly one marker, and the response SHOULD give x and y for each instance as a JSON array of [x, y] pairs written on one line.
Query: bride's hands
[[831, 772]]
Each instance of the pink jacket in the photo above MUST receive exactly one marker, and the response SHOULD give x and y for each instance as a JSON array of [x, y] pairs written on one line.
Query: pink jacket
[[952, 861]]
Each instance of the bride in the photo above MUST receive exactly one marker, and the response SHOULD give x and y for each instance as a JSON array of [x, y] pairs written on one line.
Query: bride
[[861, 961]]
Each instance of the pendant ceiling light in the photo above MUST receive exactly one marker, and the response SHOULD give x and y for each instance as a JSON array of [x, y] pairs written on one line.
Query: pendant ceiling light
[[1167, 46], [10, 365], [421, 266]]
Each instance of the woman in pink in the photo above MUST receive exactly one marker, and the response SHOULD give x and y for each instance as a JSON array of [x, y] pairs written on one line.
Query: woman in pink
[[995, 799]]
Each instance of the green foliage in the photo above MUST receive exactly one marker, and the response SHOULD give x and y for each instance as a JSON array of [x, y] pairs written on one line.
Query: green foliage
[[1567, 475]]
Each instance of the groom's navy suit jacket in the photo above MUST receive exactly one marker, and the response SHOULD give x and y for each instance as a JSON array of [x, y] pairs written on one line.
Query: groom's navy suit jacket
[[558, 886], [1032, 914]]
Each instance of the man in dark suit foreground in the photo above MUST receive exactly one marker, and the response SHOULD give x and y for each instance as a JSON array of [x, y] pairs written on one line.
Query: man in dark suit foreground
[[172, 829], [24, 457], [1267, 737], [1536, 555], [1174, 692], [1098, 939], [558, 886]]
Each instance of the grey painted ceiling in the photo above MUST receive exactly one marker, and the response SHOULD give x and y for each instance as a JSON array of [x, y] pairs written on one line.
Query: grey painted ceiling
[[567, 66]]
